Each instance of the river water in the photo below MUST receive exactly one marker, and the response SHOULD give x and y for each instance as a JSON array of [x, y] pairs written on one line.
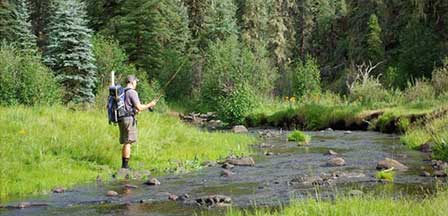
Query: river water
[[275, 179]]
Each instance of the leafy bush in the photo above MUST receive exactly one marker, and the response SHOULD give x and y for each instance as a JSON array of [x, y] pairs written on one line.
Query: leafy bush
[[440, 78], [306, 77], [25, 80], [229, 81], [420, 91], [300, 137], [369, 92], [233, 108], [109, 57]]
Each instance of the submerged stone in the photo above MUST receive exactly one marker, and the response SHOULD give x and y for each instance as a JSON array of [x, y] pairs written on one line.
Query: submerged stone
[[337, 161], [111, 193], [152, 182], [214, 200], [331, 153], [227, 173], [227, 166], [244, 161], [388, 163]]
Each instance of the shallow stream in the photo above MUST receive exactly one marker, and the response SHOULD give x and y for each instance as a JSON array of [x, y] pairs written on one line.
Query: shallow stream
[[286, 173]]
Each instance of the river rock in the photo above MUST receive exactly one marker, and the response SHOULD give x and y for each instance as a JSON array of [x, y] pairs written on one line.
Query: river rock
[[173, 197], [239, 129], [111, 193], [388, 163], [129, 186], [244, 161], [425, 174], [440, 174], [356, 193], [183, 197], [214, 200], [268, 153], [227, 173], [439, 165], [227, 166], [337, 161], [58, 190], [331, 153], [152, 182]]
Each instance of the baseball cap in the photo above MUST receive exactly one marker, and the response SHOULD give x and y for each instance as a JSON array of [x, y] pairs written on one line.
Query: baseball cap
[[131, 78]]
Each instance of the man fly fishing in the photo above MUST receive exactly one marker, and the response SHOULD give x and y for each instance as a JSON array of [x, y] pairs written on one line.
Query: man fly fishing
[[128, 123], [123, 106]]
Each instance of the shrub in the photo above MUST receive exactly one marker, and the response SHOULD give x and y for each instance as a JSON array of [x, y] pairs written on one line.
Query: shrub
[[25, 80], [109, 56], [369, 92], [300, 137], [228, 81], [420, 91], [233, 108], [440, 79], [306, 77]]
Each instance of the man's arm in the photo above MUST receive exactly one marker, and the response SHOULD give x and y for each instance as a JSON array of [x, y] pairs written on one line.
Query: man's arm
[[140, 107]]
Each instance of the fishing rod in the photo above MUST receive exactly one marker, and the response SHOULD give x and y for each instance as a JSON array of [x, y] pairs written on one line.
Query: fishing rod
[[162, 90]]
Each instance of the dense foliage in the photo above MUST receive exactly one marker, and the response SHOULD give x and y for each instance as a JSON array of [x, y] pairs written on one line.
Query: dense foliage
[[25, 80], [281, 48]]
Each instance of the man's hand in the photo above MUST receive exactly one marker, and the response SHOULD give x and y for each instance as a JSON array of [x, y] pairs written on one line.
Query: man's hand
[[152, 103]]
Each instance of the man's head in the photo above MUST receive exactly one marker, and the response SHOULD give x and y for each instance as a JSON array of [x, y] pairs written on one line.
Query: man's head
[[131, 81]]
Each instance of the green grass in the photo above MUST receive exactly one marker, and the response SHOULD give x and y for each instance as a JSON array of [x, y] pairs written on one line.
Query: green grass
[[365, 205], [387, 175], [46, 147], [299, 137]]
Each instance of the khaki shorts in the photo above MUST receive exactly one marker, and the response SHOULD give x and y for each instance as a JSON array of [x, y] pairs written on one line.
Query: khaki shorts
[[128, 130]]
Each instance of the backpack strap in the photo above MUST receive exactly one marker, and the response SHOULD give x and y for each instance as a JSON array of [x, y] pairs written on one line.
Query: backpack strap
[[130, 112]]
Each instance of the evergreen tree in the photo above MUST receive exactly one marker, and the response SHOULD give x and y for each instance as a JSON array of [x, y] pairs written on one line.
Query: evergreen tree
[[220, 20], [40, 13], [69, 51], [253, 21], [6, 21], [150, 31], [22, 29], [375, 45]]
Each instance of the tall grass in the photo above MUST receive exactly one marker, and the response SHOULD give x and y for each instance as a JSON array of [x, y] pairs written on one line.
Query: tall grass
[[43, 147], [368, 205]]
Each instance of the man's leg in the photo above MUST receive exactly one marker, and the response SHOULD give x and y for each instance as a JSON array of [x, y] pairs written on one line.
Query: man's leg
[[126, 155]]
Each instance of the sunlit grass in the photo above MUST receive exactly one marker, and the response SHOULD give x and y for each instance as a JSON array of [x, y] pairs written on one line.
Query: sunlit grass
[[365, 205], [299, 137], [46, 147]]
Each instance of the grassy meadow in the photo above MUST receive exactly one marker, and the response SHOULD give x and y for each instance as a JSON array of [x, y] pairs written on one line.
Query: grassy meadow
[[45, 147], [355, 206]]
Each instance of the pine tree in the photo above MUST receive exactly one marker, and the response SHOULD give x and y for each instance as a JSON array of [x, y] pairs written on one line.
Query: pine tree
[[22, 29], [220, 20], [6, 20], [375, 45], [253, 21], [69, 51], [149, 30]]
